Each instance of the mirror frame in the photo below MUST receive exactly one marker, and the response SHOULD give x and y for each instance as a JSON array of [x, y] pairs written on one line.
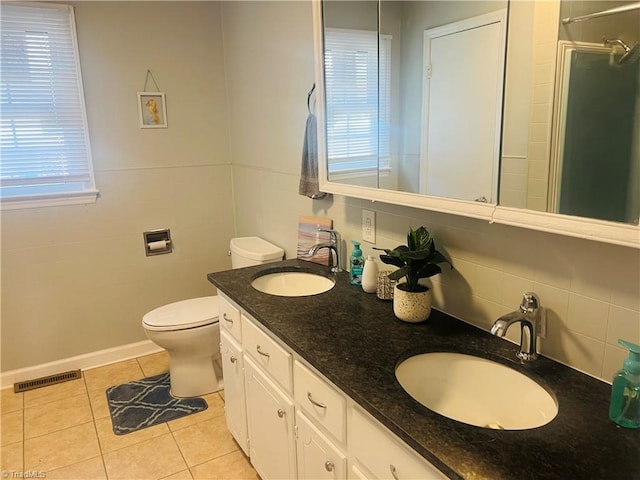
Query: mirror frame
[[580, 227]]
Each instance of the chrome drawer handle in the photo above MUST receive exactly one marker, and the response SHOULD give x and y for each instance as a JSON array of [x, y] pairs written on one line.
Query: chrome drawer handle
[[230, 320], [281, 413], [264, 354], [394, 474], [317, 404], [328, 466], [233, 359]]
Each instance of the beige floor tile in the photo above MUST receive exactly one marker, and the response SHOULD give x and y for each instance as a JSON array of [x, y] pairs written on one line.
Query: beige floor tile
[[99, 405], [11, 458], [152, 459], [92, 469], [55, 392], [205, 441], [10, 401], [58, 415], [63, 441], [215, 408], [12, 427], [154, 364], [184, 475], [110, 442], [233, 466], [61, 448], [114, 374]]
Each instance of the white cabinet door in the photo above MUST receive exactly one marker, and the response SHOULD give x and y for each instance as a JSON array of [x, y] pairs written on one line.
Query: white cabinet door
[[270, 419], [234, 405], [318, 458], [463, 101]]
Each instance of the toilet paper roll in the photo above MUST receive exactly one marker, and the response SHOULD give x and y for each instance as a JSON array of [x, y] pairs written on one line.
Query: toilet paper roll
[[159, 245]]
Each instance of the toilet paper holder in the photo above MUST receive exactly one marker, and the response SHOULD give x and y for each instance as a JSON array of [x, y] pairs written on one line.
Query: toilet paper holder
[[157, 242]]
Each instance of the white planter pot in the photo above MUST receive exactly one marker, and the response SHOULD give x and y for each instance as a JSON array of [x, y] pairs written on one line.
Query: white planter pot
[[412, 307]]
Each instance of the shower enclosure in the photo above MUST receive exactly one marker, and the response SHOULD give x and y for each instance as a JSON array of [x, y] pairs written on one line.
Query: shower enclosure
[[596, 148]]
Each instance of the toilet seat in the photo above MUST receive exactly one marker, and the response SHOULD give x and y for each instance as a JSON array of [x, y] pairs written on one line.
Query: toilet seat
[[191, 313]]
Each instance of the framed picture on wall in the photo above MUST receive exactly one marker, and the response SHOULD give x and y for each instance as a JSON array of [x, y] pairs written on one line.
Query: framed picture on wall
[[152, 109]]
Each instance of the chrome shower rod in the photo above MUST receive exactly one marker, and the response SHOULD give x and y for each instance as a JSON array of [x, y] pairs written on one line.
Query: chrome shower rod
[[611, 11]]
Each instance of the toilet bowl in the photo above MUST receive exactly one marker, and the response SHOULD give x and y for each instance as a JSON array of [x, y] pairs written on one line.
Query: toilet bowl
[[190, 332]]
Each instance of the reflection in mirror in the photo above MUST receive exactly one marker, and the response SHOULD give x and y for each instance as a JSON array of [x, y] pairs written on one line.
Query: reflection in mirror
[[351, 71], [413, 95], [571, 143]]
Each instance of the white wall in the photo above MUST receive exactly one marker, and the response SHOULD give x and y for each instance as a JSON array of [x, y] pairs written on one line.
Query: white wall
[[76, 279], [591, 290]]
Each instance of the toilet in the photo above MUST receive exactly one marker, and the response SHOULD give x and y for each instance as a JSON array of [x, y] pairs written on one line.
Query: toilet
[[189, 330]]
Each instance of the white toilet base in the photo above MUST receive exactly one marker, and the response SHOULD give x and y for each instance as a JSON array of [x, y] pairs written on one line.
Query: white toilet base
[[194, 377]]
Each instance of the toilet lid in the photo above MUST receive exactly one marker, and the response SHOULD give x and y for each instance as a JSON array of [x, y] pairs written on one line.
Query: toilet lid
[[195, 312]]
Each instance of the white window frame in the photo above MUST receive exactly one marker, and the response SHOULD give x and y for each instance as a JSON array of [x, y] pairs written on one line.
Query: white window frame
[[75, 185], [378, 161]]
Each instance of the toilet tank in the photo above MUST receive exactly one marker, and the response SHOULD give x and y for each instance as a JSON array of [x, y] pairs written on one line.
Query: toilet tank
[[248, 251]]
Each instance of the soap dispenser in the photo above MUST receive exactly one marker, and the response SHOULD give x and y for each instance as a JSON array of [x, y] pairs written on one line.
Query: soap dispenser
[[624, 408], [370, 275], [356, 264]]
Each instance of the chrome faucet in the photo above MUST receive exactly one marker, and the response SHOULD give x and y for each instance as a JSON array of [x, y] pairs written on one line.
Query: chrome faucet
[[533, 321], [333, 246]]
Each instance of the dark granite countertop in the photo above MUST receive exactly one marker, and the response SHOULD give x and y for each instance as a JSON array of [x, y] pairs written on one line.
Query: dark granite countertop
[[354, 339]]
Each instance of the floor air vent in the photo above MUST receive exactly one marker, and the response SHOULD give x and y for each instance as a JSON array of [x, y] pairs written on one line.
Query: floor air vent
[[46, 381]]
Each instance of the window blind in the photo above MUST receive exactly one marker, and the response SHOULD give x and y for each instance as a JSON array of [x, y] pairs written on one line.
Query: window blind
[[358, 91], [44, 143]]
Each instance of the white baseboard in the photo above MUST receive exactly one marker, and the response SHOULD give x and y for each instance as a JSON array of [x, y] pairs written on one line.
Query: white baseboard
[[82, 362]]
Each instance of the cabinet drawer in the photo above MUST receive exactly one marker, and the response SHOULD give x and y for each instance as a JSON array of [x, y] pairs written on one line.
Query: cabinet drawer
[[229, 317], [267, 353], [320, 401], [383, 454]]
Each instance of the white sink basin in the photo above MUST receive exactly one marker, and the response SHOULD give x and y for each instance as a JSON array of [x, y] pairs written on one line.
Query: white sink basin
[[292, 284], [476, 391]]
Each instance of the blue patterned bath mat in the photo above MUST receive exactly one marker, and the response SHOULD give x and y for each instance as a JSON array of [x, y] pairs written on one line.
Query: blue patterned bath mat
[[147, 402]]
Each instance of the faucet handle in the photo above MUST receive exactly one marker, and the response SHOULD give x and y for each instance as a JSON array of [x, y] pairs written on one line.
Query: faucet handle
[[530, 302], [531, 306]]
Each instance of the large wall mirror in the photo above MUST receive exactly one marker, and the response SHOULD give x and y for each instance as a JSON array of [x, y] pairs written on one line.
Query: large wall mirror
[[523, 112]]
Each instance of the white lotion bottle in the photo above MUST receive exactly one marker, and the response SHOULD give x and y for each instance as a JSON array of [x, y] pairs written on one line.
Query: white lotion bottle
[[370, 275]]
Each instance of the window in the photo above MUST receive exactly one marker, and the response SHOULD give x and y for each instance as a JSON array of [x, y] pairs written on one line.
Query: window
[[44, 141], [358, 93]]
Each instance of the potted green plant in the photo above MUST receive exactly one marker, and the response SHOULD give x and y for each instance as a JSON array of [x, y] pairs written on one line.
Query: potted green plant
[[418, 259]]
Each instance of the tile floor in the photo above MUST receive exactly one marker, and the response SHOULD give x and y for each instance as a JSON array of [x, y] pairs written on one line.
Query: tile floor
[[64, 431]]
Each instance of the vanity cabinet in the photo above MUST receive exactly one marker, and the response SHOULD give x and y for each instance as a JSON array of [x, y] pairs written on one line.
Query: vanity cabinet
[[233, 374], [293, 423]]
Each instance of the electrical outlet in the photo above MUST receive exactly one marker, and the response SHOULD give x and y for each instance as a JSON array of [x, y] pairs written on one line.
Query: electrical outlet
[[369, 226]]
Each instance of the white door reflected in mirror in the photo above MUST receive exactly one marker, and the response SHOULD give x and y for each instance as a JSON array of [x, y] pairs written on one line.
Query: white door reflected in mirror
[[463, 102]]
